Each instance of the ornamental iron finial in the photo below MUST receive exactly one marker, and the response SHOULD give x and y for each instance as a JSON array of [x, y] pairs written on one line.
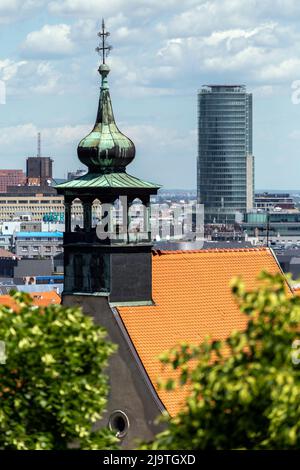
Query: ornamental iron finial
[[104, 48]]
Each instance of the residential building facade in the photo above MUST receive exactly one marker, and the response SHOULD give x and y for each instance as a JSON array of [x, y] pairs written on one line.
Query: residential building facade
[[271, 201], [38, 244], [11, 178], [35, 208]]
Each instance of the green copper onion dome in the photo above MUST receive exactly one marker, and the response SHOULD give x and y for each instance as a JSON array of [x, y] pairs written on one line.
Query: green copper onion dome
[[105, 149]]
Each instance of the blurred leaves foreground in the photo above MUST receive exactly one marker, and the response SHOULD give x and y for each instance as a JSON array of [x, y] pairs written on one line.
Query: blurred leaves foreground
[[245, 391], [53, 384]]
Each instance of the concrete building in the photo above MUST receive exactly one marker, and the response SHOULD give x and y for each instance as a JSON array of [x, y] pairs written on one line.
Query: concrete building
[[6, 242], [271, 201], [289, 260], [12, 226], [36, 208], [31, 227], [29, 208], [38, 244], [11, 178], [281, 227], [225, 174], [30, 190], [28, 270], [39, 171]]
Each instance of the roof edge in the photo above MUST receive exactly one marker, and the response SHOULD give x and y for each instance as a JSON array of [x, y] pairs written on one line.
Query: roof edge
[[209, 250], [138, 360], [281, 270]]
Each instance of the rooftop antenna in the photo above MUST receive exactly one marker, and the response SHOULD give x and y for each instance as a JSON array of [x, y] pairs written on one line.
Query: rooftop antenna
[[39, 153], [104, 48]]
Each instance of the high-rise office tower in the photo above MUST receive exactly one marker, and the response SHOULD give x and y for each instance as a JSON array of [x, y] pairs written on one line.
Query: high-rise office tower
[[225, 174]]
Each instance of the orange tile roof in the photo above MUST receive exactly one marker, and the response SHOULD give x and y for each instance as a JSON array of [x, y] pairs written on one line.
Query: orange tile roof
[[43, 299], [192, 300], [40, 299]]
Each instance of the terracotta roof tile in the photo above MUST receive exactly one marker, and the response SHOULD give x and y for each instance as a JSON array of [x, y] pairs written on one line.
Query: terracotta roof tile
[[192, 300], [43, 299], [40, 299]]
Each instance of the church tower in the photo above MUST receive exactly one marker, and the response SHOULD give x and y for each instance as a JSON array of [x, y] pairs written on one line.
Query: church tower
[[110, 253]]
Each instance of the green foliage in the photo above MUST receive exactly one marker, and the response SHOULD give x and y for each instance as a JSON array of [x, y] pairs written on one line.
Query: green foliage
[[53, 385], [245, 392]]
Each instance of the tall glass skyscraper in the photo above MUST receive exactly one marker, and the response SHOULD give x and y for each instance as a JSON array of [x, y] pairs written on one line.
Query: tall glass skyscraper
[[225, 174]]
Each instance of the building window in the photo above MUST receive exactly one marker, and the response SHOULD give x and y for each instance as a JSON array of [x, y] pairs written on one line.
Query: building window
[[119, 423], [35, 248], [24, 248]]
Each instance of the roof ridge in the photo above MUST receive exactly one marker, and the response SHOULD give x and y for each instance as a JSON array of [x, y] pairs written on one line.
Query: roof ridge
[[209, 250]]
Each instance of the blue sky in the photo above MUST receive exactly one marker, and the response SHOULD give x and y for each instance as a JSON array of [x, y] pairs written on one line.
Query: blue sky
[[163, 52]]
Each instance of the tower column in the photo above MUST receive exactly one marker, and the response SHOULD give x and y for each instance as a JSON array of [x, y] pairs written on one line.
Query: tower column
[[128, 219], [68, 210], [148, 222], [87, 216]]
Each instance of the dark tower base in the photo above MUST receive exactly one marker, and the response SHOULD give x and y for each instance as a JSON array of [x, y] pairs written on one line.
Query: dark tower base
[[124, 273]]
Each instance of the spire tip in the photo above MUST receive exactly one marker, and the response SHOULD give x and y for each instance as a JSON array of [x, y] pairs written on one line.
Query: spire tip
[[104, 48]]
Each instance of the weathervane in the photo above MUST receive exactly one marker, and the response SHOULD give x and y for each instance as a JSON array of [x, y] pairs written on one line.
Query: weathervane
[[104, 48]]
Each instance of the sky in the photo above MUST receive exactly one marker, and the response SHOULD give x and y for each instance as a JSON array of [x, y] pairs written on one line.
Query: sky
[[163, 52]]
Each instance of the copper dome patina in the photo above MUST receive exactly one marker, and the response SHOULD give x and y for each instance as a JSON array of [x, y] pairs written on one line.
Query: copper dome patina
[[105, 149]]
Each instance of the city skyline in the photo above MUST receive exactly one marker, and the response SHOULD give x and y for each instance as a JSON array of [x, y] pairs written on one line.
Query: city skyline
[[50, 70]]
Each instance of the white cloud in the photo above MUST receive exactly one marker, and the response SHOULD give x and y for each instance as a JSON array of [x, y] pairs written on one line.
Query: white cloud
[[65, 135], [161, 138], [264, 90], [59, 142], [48, 80], [84, 29], [53, 137], [191, 40], [139, 8], [12, 10], [284, 70], [247, 57], [9, 68], [50, 41], [256, 54], [17, 134], [205, 16], [160, 148], [23, 78], [140, 81]]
